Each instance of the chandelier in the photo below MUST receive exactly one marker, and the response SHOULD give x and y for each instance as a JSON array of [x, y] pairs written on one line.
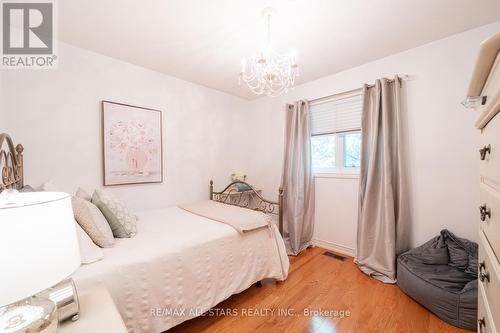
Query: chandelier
[[269, 73]]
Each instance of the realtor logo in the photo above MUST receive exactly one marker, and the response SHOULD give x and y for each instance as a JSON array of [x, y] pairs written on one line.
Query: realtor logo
[[28, 34]]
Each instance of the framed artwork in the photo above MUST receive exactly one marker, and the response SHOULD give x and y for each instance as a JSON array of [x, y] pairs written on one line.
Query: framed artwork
[[132, 144]]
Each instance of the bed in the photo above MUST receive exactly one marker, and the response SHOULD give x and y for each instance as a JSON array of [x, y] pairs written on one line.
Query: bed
[[180, 264]]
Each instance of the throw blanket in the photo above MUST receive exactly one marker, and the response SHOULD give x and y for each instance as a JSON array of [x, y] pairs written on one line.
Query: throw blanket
[[241, 219]]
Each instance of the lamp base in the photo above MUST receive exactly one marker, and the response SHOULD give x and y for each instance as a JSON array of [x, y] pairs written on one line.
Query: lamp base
[[65, 297], [31, 315]]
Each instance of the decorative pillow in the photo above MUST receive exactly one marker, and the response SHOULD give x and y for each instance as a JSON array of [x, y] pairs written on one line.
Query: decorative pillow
[[89, 252], [121, 221], [90, 218], [82, 194]]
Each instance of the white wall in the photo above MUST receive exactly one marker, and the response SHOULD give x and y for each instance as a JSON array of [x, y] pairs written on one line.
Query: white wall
[[56, 114], [336, 213], [442, 141], [3, 116]]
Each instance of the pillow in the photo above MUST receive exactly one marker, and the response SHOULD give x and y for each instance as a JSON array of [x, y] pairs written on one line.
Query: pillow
[[49, 187], [121, 221], [27, 188], [82, 194], [89, 252], [90, 218]]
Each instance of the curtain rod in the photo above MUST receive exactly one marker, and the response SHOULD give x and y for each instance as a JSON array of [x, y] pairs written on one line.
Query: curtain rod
[[320, 100]]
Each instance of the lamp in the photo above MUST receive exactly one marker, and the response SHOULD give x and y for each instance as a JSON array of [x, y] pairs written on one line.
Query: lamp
[[269, 72], [38, 249]]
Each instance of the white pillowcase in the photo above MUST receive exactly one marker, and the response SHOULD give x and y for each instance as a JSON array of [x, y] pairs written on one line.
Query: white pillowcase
[[89, 252]]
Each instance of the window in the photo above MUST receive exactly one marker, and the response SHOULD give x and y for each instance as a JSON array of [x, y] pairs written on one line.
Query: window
[[352, 149], [323, 151], [336, 134]]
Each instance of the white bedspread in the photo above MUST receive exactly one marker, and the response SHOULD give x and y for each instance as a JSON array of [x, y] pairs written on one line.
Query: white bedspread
[[183, 263], [241, 219]]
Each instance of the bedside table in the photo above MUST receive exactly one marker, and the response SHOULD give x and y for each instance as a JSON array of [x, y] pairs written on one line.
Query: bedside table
[[98, 314]]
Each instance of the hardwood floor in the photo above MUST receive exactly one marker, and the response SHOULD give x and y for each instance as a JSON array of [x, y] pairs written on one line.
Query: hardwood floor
[[319, 282]]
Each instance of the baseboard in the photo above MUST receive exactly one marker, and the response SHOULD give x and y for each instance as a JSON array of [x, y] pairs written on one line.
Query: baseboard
[[345, 250]]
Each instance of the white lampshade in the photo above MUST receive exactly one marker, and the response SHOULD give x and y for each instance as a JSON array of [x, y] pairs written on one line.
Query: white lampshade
[[38, 243]]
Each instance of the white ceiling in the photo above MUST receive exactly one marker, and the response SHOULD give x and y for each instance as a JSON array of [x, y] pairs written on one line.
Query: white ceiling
[[202, 41]]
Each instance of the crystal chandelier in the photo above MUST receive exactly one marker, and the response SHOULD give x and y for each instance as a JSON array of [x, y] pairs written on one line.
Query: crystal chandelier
[[268, 72]]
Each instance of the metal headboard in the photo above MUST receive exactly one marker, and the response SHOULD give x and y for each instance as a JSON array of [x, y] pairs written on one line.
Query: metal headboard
[[11, 164], [250, 199]]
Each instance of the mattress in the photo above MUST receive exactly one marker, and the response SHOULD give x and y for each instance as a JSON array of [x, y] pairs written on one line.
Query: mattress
[[179, 265]]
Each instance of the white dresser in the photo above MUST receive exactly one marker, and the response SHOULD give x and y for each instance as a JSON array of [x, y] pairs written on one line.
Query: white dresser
[[485, 85]]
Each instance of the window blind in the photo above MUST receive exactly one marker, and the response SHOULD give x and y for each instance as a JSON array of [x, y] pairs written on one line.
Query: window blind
[[340, 114]]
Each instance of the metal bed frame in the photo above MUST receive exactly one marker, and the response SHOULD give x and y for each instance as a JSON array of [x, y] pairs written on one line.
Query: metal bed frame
[[11, 164], [250, 199]]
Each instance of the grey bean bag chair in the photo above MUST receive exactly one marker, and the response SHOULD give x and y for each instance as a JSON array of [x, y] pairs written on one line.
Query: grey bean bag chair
[[442, 276]]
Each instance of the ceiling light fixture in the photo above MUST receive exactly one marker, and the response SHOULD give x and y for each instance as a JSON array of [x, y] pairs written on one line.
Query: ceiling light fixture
[[269, 73]]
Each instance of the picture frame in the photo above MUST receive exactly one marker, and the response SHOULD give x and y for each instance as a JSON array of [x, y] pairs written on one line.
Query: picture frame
[[132, 140]]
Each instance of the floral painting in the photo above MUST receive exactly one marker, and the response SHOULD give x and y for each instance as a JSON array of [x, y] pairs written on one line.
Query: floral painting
[[132, 144]]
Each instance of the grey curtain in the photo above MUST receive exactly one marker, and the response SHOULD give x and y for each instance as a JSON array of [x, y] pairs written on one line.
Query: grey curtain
[[383, 205], [297, 181]]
